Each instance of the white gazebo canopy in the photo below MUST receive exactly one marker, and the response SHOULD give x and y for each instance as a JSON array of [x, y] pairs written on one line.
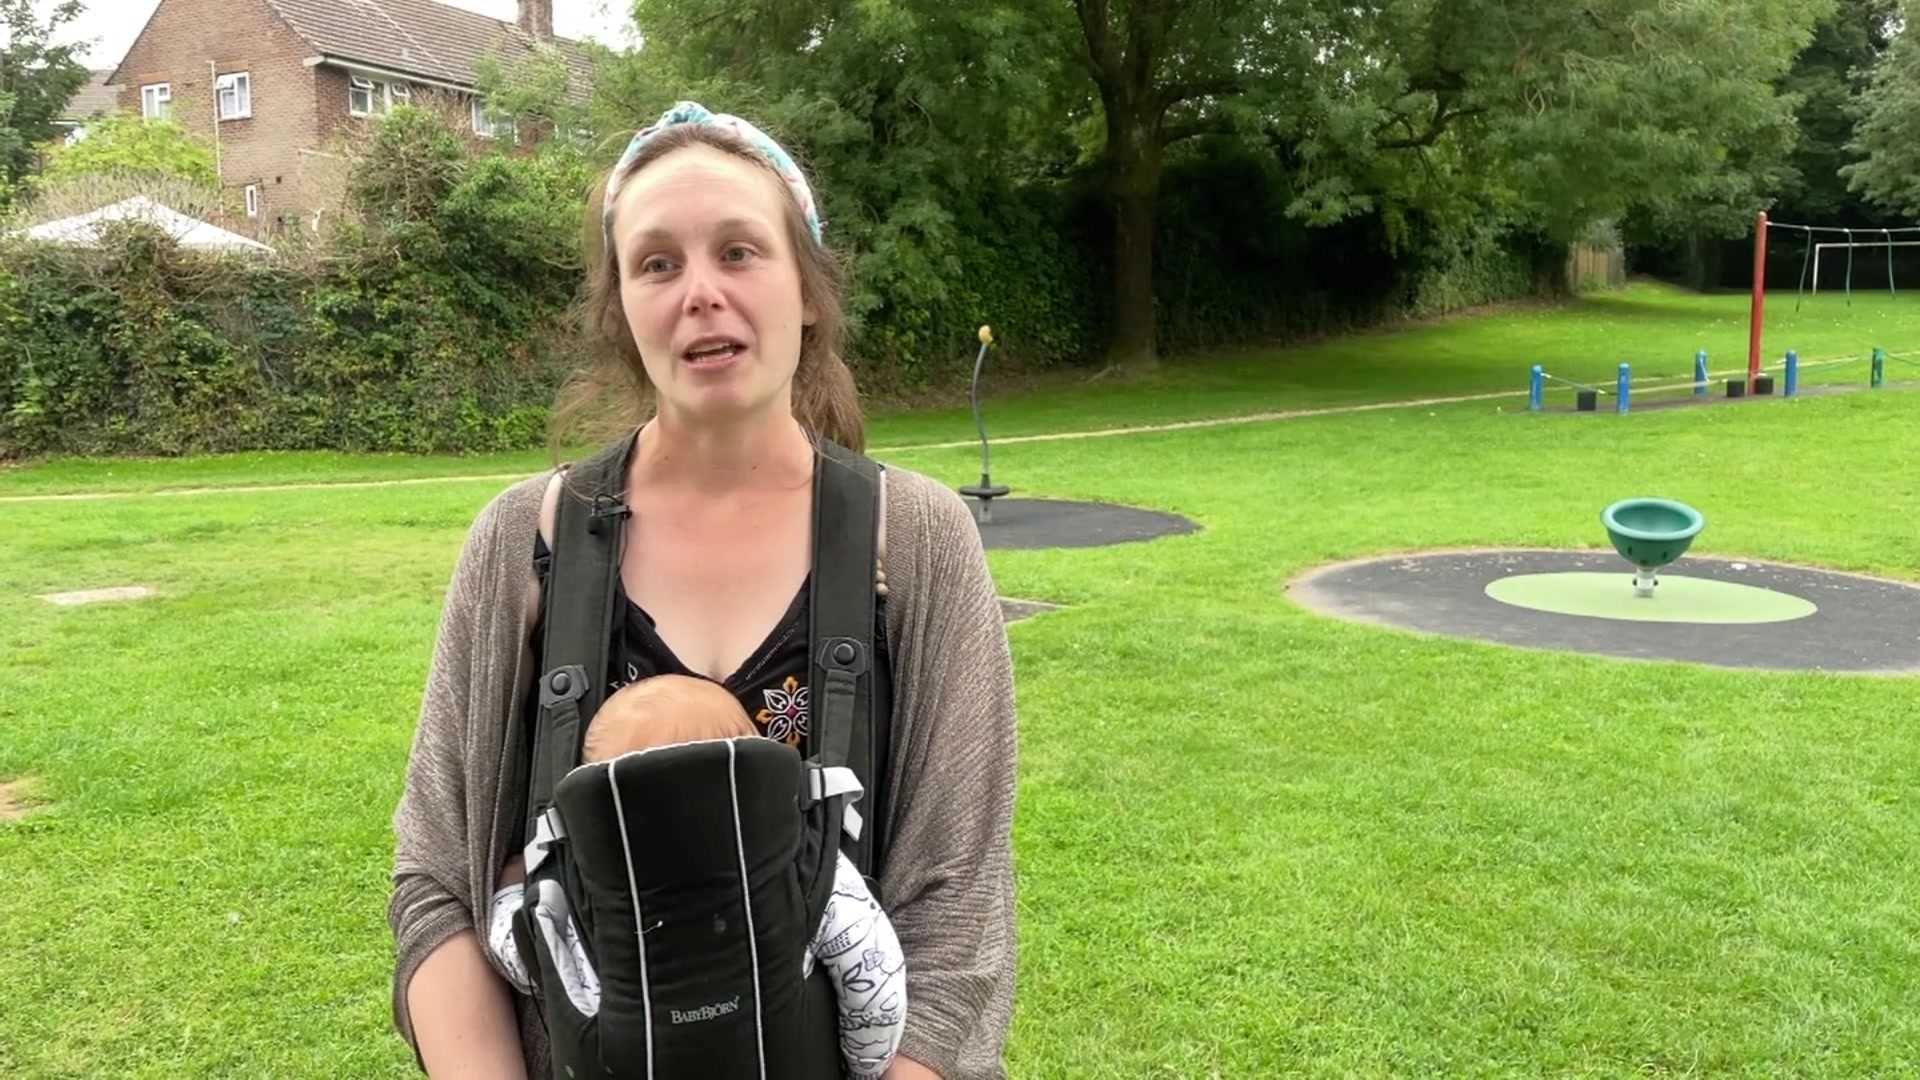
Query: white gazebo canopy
[[189, 232]]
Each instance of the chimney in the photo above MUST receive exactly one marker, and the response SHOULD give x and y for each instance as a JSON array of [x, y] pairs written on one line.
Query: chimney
[[536, 17]]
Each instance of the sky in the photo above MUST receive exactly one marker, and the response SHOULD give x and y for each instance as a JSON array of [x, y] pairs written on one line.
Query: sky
[[111, 25]]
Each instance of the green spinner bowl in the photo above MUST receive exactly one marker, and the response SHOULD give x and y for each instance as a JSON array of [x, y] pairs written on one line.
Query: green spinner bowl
[[1651, 533]]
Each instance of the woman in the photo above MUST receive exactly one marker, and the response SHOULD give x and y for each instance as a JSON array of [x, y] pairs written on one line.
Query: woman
[[711, 295]]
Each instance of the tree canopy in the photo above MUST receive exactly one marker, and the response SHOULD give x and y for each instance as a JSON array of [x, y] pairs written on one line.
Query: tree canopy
[[1888, 134], [1829, 77], [131, 146], [1544, 115], [37, 80]]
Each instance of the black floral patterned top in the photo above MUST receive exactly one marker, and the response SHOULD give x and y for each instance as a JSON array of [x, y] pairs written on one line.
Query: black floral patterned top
[[771, 684]]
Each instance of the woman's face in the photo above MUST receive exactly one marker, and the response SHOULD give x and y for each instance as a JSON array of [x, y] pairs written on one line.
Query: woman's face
[[709, 285]]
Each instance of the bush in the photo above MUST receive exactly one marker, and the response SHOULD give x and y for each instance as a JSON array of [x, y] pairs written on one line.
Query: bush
[[435, 321], [1017, 270], [126, 145]]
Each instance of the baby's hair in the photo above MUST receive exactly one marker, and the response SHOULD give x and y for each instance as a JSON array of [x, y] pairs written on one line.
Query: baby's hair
[[661, 711]]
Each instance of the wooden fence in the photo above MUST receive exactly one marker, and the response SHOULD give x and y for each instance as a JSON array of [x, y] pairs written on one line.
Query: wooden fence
[[1591, 267]]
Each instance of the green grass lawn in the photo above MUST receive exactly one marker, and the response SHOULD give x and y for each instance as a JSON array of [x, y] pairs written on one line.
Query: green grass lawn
[[1252, 841]]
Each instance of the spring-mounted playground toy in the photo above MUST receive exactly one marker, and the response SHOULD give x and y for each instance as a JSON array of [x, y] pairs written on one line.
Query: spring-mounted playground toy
[[986, 490]]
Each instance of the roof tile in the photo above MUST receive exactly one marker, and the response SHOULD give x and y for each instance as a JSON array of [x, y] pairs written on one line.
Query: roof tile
[[95, 96], [420, 37]]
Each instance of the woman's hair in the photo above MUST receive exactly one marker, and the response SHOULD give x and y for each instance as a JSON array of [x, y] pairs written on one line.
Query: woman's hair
[[612, 395]]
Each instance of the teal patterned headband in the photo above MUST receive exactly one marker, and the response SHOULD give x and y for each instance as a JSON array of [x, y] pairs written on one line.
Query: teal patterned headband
[[689, 112]]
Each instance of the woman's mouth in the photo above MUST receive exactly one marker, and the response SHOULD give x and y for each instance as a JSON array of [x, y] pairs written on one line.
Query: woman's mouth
[[710, 353]]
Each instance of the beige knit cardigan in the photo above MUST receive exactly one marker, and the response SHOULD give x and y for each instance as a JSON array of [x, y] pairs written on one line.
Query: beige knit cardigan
[[948, 878]]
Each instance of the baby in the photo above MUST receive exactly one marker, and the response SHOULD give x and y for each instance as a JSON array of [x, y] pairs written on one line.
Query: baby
[[855, 939]]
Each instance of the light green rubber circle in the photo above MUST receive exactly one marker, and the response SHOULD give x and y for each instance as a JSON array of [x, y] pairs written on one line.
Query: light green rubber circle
[[1676, 599]]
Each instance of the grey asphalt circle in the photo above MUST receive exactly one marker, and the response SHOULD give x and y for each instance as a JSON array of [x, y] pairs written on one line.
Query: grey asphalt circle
[[1864, 624]]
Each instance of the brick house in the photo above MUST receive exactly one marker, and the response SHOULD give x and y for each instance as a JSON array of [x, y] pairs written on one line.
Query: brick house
[[272, 82]]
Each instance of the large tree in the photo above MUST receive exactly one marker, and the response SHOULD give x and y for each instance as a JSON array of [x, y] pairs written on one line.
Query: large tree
[[1560, 113], [37, 80], [1166, 71], [1569, 112], [1888, 135], [1551, 114]]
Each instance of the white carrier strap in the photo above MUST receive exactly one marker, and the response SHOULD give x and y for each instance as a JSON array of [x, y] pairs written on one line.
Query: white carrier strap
[[547, 831], [827, 783]]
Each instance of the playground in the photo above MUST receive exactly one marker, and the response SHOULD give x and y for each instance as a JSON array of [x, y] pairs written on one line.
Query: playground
[[1764, 374], [1254, 836]]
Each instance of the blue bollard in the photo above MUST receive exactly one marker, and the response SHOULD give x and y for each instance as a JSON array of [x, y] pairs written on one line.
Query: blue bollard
[[1700, 373], [1620, 395], [1537, 389], [1793, 373]]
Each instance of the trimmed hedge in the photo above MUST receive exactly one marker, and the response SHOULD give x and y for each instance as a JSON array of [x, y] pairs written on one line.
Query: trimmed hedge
[[139, 347]]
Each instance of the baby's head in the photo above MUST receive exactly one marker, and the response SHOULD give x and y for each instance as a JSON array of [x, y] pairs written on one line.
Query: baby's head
[[661, 711]]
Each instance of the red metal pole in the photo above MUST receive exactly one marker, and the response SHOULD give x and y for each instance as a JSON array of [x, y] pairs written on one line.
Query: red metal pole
[[1758, 318]]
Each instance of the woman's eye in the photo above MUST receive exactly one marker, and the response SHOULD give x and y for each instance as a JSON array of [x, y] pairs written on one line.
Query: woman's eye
[[738, 253], [656, 264]]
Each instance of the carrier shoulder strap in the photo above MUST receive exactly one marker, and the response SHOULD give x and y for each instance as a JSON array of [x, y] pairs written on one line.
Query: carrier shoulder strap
[[842, 610], [587, 533]]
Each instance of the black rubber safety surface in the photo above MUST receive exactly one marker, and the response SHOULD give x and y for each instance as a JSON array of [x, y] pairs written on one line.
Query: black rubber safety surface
[[1864, 624], [1061, 523]]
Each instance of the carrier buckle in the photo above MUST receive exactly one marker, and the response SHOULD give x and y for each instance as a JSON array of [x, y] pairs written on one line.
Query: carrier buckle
[[563, 684], [547, 831], [824, 783], [843, 654]]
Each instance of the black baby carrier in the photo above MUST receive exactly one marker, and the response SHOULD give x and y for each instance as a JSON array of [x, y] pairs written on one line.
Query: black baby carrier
[[692, 877]]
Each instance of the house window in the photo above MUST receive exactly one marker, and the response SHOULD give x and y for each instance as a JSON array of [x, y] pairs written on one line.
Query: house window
[[156, 101], [369, 97], [253, 200], [488, 124], [235, 92]]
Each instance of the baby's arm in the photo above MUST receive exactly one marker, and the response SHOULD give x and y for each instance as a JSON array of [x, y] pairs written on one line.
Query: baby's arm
[[862, 955], [507, 900]]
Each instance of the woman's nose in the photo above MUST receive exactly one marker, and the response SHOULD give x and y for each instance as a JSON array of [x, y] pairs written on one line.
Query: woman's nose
[[703, 288]]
